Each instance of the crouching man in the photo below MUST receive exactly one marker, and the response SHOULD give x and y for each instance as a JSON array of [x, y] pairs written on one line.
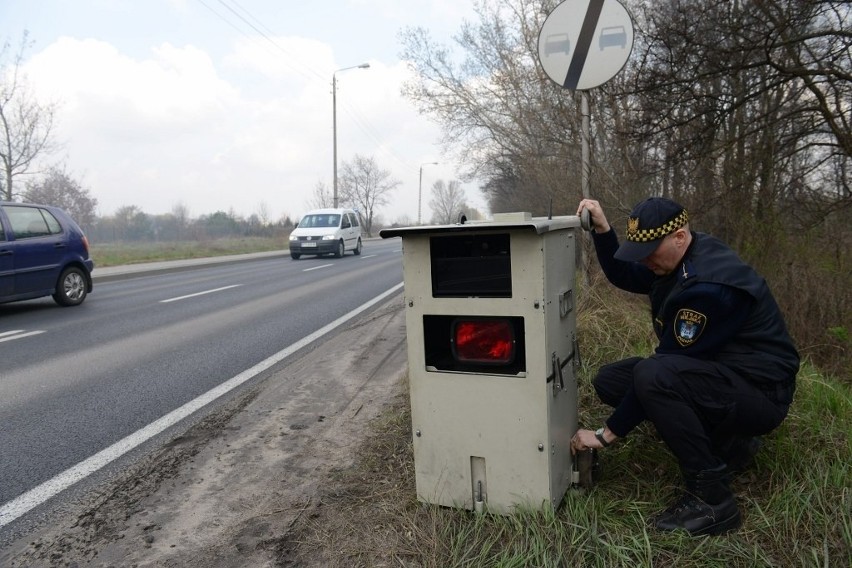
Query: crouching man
[[723, 372]]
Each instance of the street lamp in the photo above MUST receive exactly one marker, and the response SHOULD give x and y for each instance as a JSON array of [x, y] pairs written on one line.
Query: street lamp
[[334, 118], [420, 192]]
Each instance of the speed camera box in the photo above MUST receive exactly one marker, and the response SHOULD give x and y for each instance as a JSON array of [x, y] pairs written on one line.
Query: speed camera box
[[492, 352]]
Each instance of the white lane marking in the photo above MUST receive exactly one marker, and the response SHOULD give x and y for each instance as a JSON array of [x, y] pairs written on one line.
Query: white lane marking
[[368, 256], [12, 332], [28, 501], [199, 294], [317, 267], [17, 334]]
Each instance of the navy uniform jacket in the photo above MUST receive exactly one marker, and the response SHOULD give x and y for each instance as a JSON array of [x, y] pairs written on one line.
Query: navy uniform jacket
[[713, 307]]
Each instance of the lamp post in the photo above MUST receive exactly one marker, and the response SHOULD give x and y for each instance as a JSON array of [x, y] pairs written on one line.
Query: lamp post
[[334, 118], [420, 192]]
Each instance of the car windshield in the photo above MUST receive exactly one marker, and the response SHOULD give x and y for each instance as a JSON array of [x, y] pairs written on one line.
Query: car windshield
[[330, 220]]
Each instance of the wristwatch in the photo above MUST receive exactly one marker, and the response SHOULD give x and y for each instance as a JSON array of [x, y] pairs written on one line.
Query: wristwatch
[[599, 435]]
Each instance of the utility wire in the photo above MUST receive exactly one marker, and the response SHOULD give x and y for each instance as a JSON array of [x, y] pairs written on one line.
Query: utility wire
[[291, 60], [266, 35], [309, 73]]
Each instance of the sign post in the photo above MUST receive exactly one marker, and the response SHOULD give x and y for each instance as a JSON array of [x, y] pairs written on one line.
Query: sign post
[[583, 44]]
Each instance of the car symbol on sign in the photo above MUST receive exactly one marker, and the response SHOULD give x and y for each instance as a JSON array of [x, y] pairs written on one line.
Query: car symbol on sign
[[557, 43], [612, 36]]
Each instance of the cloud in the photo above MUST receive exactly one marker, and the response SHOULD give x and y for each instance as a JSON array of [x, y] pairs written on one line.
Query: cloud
[[174, 125]]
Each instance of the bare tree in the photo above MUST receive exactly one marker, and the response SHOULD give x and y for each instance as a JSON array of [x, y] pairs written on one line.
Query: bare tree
[[322, 197], [58, 188], [508, 122], [365, 187], [132, 224], [180, 213], [746, 104], [263, 213], [26, 125], [448, 201]]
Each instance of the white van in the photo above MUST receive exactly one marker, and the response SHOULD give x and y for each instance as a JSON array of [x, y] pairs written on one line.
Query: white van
[[326, 231]]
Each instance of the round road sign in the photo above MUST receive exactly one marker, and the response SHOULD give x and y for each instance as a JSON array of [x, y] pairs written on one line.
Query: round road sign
[[585, 43]]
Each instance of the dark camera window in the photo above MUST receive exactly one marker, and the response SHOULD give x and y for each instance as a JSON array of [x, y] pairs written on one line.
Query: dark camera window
[[466, 265]]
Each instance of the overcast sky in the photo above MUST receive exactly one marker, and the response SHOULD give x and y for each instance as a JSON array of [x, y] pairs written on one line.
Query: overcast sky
[[227, 104]]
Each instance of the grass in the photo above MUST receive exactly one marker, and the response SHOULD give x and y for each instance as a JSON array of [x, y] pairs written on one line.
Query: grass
[[117, 254], [796, 502]]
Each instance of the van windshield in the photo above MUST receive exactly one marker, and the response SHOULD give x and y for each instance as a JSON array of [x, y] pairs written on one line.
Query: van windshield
[[330, 220]]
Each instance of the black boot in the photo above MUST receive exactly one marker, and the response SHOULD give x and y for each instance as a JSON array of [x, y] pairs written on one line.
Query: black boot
[[706, 507]]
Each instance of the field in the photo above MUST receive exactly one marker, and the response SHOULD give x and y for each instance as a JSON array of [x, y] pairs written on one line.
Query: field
[[116, 254]]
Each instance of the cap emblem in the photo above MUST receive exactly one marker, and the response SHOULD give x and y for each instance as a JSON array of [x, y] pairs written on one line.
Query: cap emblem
[[637, 235], [632, 226]]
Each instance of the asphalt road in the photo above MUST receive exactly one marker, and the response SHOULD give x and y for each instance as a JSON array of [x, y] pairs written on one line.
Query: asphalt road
[[76, 381]]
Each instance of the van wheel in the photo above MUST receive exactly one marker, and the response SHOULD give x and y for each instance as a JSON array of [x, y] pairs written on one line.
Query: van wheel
[[71, 287], [358, 247], [340, 250], [295, 255]]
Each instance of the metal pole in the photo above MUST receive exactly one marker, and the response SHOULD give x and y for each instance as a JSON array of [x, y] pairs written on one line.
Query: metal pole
[[587, 167], [334, 119]]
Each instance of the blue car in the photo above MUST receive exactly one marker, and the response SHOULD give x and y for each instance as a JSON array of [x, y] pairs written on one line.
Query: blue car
[[43, 252]]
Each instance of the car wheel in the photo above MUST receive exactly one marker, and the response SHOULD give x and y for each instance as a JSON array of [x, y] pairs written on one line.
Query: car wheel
[[71, 287], [357, 250], [340, 250], [295, 255]]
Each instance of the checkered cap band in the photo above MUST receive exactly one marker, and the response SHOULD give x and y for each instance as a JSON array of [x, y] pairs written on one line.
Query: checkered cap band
[[637, 235]]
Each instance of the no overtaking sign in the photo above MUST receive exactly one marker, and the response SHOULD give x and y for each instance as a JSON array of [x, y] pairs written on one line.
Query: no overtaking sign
[[585, 43]]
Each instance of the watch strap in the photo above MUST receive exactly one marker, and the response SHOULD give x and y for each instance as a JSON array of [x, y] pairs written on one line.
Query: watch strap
[[599, 435]]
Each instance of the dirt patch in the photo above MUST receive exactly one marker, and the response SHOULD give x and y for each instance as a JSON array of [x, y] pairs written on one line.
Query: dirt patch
[[369, 515], [237, 489]]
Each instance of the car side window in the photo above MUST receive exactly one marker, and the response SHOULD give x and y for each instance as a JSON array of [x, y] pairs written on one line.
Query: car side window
[[2, 231], [52, 224], [346, 222], [354, 220], [28, 222]]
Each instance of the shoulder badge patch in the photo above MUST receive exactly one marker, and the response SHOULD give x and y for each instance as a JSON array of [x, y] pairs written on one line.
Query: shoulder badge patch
[[688, 325]]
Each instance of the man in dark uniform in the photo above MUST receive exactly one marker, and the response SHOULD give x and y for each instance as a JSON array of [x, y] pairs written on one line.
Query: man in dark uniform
[[725, 368]]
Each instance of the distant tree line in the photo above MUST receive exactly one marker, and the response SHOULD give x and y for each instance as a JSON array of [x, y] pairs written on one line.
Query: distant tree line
[[129, 223]]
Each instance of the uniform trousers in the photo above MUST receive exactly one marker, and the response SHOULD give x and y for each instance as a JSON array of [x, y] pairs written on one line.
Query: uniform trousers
[[699, 408]]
